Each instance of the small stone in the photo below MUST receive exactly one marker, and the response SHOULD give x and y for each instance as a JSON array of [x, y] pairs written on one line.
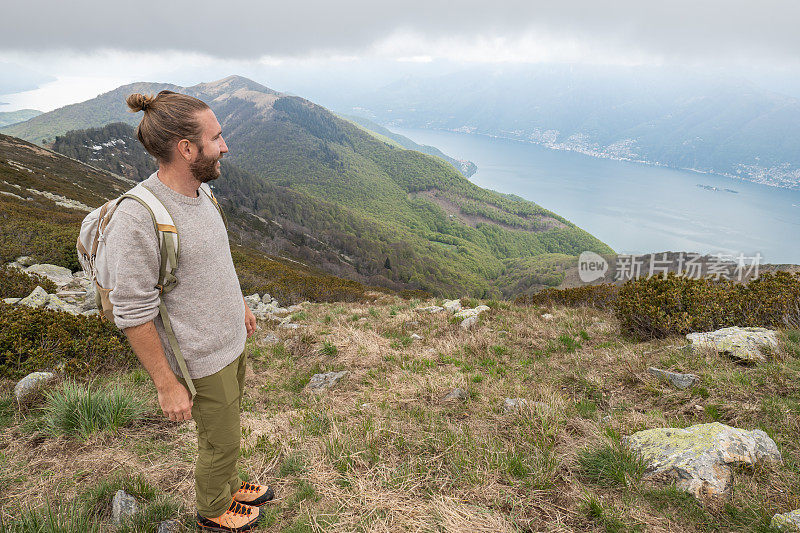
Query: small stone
[[37, 298], [123, 507], [289, 325], [513, 404], [547, 316], [266, 298], [456, 395], [57, 304], [681, 381], [474, 311], [169, 526], [452, 305], [321, 382], [25, 260], [430, 309], [269, 338], [416, 337], [698, 459], [90, 312], [30, 384], [11, 301], [57, 274], [253, 300], [787, 521], [469, 322]]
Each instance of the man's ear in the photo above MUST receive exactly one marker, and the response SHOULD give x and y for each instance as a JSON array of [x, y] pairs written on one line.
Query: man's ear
[[186, 149]]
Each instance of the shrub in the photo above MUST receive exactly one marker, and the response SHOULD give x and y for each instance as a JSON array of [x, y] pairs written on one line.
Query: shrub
[[14, 283], [656, 307], [36, 339], [79, 410], [601, 296]]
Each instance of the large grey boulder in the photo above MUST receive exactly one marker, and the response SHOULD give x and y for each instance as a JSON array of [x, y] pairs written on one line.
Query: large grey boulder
[[744, 344], [37, 298], [698, 459], [787, 521], [681, 381], [57, 274], [57, 304], [322, 382], [123, 507], [30, 384]]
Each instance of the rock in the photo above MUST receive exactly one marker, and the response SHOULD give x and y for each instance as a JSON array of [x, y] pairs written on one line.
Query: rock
[[682, 381], [547, 316], [169, 526], [452, 305], [787, 521], [416, 337], [321, 382], [57, 304], [37, 298], [11, 301], [25, 260], [30, 384], [266, 298], [289, 325], [744, 344], [16, 265], [516, 404], [90, 312], [252, 301], [469, 322], [430, 309], [474, 311], [89, 301], [123, 507], [294, 308], [269, 338], [456, 395], [57, 274], [262, 311], [698, 459]]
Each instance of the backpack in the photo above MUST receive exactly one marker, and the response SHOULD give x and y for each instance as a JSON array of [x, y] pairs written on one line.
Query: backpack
[[91, 255]]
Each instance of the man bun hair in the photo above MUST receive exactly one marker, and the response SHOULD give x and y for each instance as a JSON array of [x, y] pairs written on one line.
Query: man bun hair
[[139, 102], [168, 118]]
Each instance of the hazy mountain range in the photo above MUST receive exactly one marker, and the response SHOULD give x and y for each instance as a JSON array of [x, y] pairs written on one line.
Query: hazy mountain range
[[673, 118], [308, 185]]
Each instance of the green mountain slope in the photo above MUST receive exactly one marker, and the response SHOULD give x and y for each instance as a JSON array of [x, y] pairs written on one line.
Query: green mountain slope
[[373, 202], [467, 168], [13, 117]]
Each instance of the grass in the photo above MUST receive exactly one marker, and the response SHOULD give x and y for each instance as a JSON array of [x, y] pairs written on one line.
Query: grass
[[382, 451], [81, 410]]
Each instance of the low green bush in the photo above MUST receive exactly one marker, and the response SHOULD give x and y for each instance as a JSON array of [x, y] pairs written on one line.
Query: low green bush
[[37, 339], [14, 283]]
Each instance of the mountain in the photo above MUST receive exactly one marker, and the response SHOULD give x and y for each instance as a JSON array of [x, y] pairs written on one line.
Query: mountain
[[467, 168], [675, 118], [13, 117], [44, 196], [397, 217]]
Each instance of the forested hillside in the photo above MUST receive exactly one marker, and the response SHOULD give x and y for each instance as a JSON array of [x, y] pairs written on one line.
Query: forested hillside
[[390, 213]]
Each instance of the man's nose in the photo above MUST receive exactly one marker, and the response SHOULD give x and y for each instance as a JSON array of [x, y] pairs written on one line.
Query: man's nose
[[224, 148]]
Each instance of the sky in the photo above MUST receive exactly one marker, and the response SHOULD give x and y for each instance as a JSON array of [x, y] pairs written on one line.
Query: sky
[[91, 47]]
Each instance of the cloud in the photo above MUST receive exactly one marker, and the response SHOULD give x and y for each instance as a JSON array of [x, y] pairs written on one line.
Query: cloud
[[470, 30]]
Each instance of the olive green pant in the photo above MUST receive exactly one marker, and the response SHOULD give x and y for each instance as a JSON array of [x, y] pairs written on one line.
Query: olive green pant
[[216, 409]]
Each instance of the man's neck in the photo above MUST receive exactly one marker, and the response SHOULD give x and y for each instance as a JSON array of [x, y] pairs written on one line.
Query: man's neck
[[179, 181]]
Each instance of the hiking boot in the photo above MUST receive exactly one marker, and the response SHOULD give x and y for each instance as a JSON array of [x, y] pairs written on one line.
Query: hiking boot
[[238, 517], [253, 494]]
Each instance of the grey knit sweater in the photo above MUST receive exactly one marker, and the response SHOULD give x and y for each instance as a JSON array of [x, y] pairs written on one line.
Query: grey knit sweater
[[205, 307]]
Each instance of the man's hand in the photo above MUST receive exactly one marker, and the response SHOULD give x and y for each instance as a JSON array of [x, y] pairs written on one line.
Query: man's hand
[[176, 403], [249, 320]]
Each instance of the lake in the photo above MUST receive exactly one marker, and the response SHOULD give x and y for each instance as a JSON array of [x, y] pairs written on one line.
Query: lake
[[632, 207]]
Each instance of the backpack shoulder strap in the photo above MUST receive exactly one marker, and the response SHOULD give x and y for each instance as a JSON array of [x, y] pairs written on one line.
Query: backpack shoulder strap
[[206, 188], [169, 244]]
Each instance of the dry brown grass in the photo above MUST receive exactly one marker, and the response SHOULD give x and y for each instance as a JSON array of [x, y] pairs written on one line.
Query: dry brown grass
[[383, 452]]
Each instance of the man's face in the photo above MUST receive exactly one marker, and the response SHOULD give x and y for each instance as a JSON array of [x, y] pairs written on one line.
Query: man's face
[[210, 150]]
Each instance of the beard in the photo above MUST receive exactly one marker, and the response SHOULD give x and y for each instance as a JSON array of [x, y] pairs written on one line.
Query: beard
[[205, 168]]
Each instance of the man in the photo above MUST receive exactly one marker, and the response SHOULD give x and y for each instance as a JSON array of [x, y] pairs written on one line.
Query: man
[[207, 311]]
